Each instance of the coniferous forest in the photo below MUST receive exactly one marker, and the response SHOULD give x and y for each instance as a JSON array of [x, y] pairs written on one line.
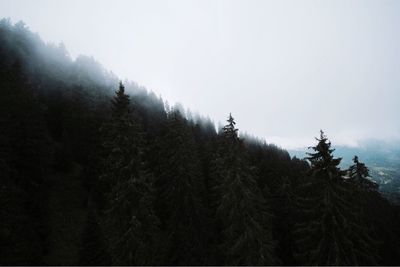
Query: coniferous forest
[[94, 171]]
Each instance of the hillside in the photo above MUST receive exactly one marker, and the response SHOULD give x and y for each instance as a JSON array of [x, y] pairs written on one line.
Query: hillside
[[96, 172]]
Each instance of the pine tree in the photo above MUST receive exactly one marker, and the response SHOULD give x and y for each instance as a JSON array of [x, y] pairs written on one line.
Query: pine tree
[[323, 164], [330, 233], [131, 223], [364, 194], [359, 174], [180, 188], [241, 209]]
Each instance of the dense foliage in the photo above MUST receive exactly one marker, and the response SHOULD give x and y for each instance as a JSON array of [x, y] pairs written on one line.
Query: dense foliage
[[93, 173]]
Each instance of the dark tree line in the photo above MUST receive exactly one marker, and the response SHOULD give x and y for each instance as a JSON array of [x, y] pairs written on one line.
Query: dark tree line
[[162, 189]]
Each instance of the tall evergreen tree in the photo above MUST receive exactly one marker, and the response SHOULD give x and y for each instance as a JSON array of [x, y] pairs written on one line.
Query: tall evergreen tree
[[241, 209], [131, 223], [180, 187], [359, 173], [330, 233], [364, 194]]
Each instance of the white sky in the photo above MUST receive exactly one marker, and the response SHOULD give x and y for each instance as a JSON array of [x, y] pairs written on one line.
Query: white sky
[[285, 69]]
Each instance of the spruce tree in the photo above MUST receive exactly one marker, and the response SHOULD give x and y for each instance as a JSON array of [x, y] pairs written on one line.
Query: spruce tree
[[364, 194], [358, 174], [130, 221], [180, 188], [241, 210], [330, 232]]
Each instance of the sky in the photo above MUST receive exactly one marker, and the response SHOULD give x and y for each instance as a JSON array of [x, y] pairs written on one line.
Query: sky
[[285, 69]]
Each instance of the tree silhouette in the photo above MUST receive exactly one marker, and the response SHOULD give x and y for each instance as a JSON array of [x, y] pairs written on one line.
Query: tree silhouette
[[129, 217], [359, 174], [180, 187], [241, 209], [330, 233]]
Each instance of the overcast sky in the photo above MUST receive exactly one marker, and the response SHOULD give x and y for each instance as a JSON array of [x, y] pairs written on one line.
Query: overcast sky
[[285, 69]]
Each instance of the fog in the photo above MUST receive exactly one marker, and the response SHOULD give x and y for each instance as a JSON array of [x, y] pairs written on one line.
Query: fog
[[285, 69]]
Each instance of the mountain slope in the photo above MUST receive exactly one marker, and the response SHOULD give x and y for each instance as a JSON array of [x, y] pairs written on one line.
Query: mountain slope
[[62, 120]]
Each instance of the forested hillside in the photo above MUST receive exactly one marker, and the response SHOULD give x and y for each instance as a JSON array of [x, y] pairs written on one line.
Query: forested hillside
[[94, 171]]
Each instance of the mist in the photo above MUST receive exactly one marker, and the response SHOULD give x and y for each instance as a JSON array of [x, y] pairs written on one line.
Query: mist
[[173, 133], [285, 69]]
